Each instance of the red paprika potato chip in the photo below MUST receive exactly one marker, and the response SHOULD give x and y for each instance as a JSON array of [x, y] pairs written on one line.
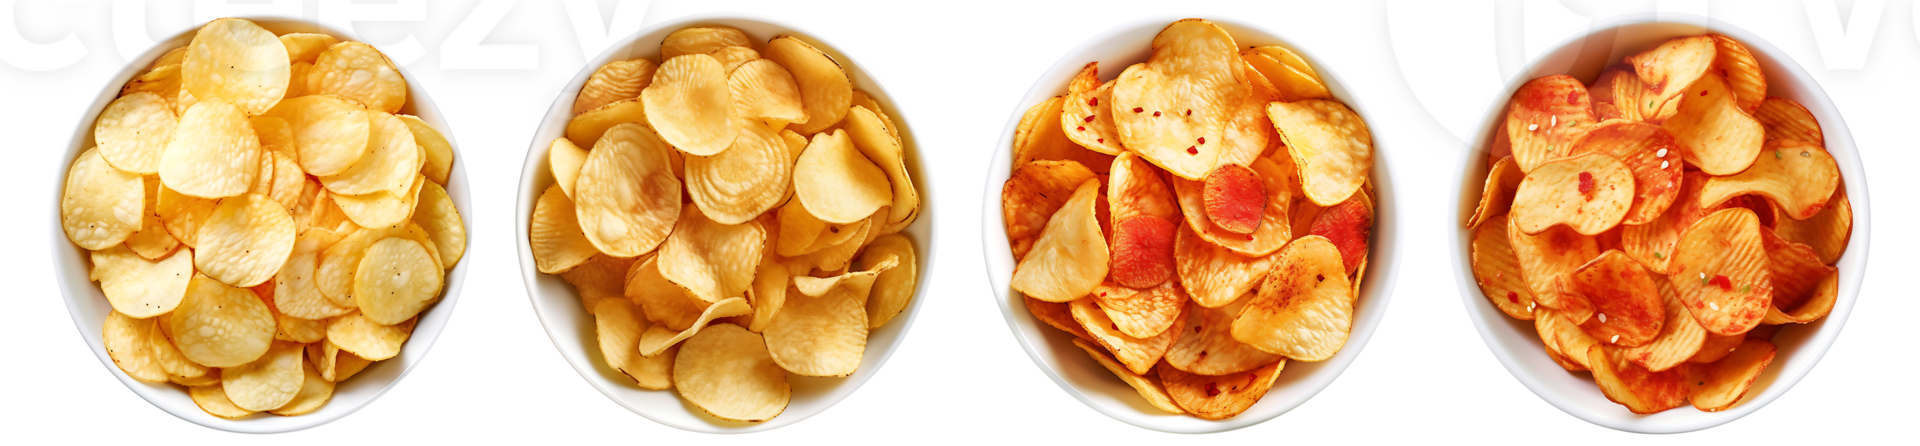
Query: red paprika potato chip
[[1276, 223], [1496, 198], [1721, 271], [1720, 385], [1828, 232], [1680, 336], [1087, 114], [1040, 137], [1139, 354], [1628, 384], [1667, 70], [1170, 106], [1563, 337], [1786, 119], [1218, 397], [1546, 257], [1804, 288], [1497, 270], [1545, 117], [1798, 178], [1589, 193], [1234, 198], [1718, 137], [1141, 313], [1627, 308], [1032, 195], [1304, 309], [1142, 251], [1349, 225], [1650, 153]]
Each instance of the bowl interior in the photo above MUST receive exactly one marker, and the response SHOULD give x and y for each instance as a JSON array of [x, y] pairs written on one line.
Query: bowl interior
[[572, 329], [90, 308], [1068, 365], [1516, 343]]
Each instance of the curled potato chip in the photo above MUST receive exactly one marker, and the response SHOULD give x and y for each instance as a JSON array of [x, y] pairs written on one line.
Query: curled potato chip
[[391, 161], [616, 81], [1497, 269], [306, 47], [151, 241], [733, 57], [1330, 145], [627, 199], [1721, 271], [138, 287], [1215, 276], [218, 325], [132, 132], [873, 137], [658, 339], [602, 277], [334, 364], [1304, 309], [1171, 105], [436, 152], [735, 186], [1088, 110], [1828, 231], [1546, 257], [1033, 193], [1218, 397], [1038, 137], [163, 78], [1138, 354], [836, 183], [762, 90], [729, 372], [1798, 178], [1720, 385], [100, 205], [1057, 314], [1670, 69], [213, 153], [1785, 119], [1716, 347], [1718, 137], [661, 301], [296, 292], [1496, 197], [1628, 384], [365, 338], [895, 287], [1141, 313], [265, 383], [1652, 243], [356, 71], [181, 214], [1679, 339], [1275, 228], [713, 261], [314, 393], [1562, 335], [587, 128], [331, 133], [238, 61], [1650, 153], [397, 278], [617, 326], [694, 86], [702, 40], [1070, 258], [564, 159], [1289, 73], [1135, 187], [825, 90], [1589, 193], [213, 400], [340, 262], [820, 336], [245, 241], [1544, 118], [1804, 287], [1743, 72], [1210, 349], [801, 233], [129, 343], [556, 239], [1150, 389], [436, 214], [1629, 312]]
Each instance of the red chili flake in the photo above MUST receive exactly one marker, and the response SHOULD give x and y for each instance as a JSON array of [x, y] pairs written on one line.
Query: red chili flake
[[1103, 294], [1203, 353], [1586, 182], [835, 230], [1081, 128], [1138, 109], [1156, 113], [1089, 118], [1203, 140], [1116, 327], [1573, 97], [1192, 151], [1093, 101], [1513, 297], [1189, 112], [1703, 93], [1319, 277], [1723, 282], [1196, 328], [1101, 140], [1212, 390]]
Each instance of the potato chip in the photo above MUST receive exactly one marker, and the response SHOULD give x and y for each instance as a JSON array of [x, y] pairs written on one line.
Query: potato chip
[[1057, 314], [133, 132], [1562, 335], [138, 287], [1589, 193], [1210, 349], [658, 339], [1142, 252], [1785, 119], [895, 287], [356, 71], [213, 400], [391, 162], [1650, 153], [296, 292], [100, 205], [437, 215], [1546, 257], [297, 79], [713, 261], [1828, 231], [702, 40], [802, 233], [1150, 389], [873, 137], [1135, 188], [397, 279], [556, 239], [1140, 313], [314, 394], [151, 241], [695, 87], [218, 325], [340, 262], [129, 342], [1627, 305], [820, 336], [1215, 276], [1670, 70], [1192, 77], [1544, 118], [1034, 192], [1718, 137], [627, 199], [1304, 309], [306, 47], [587, 128], [163, 79], [1088, 110], [263, 181], [1679, 339], [661, 301], [1628, 384], [1743, 73], [618, 326], [1330, 146], [1804, 287], [213, 153], [600, 278], [1070, 257], [836, 183], [331, 133], [762, 90], [733, 57], [182, 215], [1720, 385], [728, 372], [616, 81], [1349, 225], [363, 337], [1716, 347], [1496, 197], [1138, 354], [1275, 228], [265, 383], [1289, 73], [1219, 397], [1497, 269], [1798, 178], [825, 90], [739, 184], [1720, 270], [237, 61], [1039, 138], [245, 241]]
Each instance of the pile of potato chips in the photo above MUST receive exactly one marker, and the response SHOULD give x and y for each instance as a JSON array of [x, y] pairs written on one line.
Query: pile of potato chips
[[1195, 222], [1660, 224], [782, 252], [255, 211]]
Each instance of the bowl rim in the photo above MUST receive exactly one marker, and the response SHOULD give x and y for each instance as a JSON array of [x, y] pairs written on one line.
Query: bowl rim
[[1783, 377], [1383, 258], [420, 342], [587, 365]]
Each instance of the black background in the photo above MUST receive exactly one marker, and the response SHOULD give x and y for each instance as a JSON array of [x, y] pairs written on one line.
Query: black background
[[960, 70]]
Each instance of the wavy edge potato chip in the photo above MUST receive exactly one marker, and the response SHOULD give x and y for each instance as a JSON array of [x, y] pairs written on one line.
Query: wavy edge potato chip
[[556, 240], [1721, 271], [1496, 269], [1719, 138], [694, 87], [1670, 70], [1141, 313], [616, 81], [587, 128], [658, 339], [1589, 193], [711, 260], [1219, 397], [436, 214], [1786, 119], [1215, 276], [1644, 148], [1744, 76], [762, 90], [1496, 196], [1628, 384], [1544, 117], [661, 301], [1615, 284], [1798, 179], [1546, 257], [1679, 339], [748, 179]]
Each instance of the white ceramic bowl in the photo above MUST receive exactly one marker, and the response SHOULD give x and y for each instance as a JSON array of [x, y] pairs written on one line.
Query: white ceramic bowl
[[1068, 365], [90, 308], [572, 329], [1517, 344]]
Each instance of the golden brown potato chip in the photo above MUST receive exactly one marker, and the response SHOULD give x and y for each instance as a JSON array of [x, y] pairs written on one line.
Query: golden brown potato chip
[[397, 278], [1670, 70], [1288, 72], [217, 325], [238, 61], [895, 287], [820, 336], [825, 90], [661, 301], [133, 132], [587, 128], [1496, 197], [1215, 276], [1803, 286], [1797, 177], [769, 292], [600, 278], [1169, 107], [1650, 153], [1716, 347], [1743, 73], [100, 205], [874, 139], [1626, 302], [1544, 117], [364, 338], [702, 40], [1719, 138], [1785, 119], [627, 198], [356, 71], [138, 287], [616, 81], [556, 239], [1033, 194], [1680, 336], [1140, 313], [658, 339], [1589, 193], [728, 372], [1628, 384], [1057, 314], [1135, 188], [1721, 385], [836, 183], [213, 153], [1218, 397], [1562, 335], [739, 184], [694, 87], [1139, 354], [213, 400], [1150, 389], [1088, 110], [129, 342], [1546, 257], [765, 91], [1070, 257], [265, 383], [1828, 231], [1304, 310], [1210, 349], [1721, 272], [306, 47], [713, 261], [1497, 269], [733, 57], [801, 233], [1652, 243], [1038, 137], [245, 241], [1330, 146], [565, 160], [618, 326], [436, 214], [331, 133], [314, 394], [1275, 228]]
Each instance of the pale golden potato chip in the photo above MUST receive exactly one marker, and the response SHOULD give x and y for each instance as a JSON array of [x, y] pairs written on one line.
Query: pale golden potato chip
[[213, 400], [202, 380], [1628, 384], [1719, 386], [1215, 276], [341, 363], [1589, 193], [133, 132], [1209, 347], [713, 261], [616, 81], [819, 336], [1680, 337], [1290, 75], [694, 87], [1548, 256], [364, 338], [826, 91], [213, 153], [287, 183], [765, 91], [1039, 137], [875, 139], [356, 71], [1150, 389], [728, 372], [263, 181], [1544, 117], [289, 328], [1670, 71], [1497, 269], [1275, 227], [836, 183], [181, 214], [895, 287], [100, 205], [1033, 193], [1141, 313], [859, 282], [627, 198], [297, 79], [296, 291], [1070, 257], [1797, 177], [437, 153], [315, 392], [617, 326], [129, 343], [601, 278], [1088, 110], [564, 159], [702, 40], [1785, 119], [1330, 146], [435, 213], [587, 128], [245, 240], [178, 367], [1218, 397], [268, 382], [391, 162], [331, 133], [1721, 272], [238, 61], [735, 186], [163, 78], [1168, 108], [556, 239], [658, 339], [138, 287], [306, 47], [1650, 153], [1138, 354], [218, 325], [396, 279], [769, 293], [661, 301], [338, 264], [1719, 138], [1304, 309], [151, 241]]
